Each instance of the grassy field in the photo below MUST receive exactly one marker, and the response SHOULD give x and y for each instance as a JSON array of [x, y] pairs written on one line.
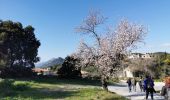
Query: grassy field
[[54, 89]]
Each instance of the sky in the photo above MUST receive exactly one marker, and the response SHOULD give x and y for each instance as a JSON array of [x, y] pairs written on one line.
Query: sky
[[55, 21]]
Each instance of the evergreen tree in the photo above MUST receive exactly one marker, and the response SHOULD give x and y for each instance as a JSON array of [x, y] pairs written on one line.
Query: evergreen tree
[[19, 46]]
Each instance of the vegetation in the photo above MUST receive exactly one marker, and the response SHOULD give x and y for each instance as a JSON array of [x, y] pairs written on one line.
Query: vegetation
[[52, 89], [91, 72], [108, 50], [158, 66], [55, 67], [18, 48], [142, 66], [69, 68]]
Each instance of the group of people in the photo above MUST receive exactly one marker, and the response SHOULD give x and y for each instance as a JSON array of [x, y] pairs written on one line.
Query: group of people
[[146, 85], [132, 84]]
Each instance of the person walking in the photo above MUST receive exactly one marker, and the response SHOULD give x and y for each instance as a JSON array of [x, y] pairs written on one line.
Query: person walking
[[149, 86], [134, 84], [143, 85], [166, 88], [129, 82], [140, 83]]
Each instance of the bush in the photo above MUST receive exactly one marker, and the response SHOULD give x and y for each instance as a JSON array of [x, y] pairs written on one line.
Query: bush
[[6, 86], [21, 86], [69, 68], [92, 73], [6, 83], [17, 71], [10, 85]]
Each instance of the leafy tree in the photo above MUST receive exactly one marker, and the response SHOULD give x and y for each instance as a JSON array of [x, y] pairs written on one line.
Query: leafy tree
[[19, 46], [107, 52], [163, 63], [167, 61], [69, 68], [166, 67]]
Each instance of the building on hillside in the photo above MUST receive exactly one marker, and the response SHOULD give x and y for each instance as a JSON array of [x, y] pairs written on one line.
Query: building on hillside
[[134, 55], [147, 56], [140, 55]]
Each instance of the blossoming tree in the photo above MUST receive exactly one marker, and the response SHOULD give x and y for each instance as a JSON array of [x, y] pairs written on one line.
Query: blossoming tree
[[109, 48]]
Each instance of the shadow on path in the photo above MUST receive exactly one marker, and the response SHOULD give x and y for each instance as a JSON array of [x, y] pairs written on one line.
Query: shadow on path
[[118, 85], [136, 95]]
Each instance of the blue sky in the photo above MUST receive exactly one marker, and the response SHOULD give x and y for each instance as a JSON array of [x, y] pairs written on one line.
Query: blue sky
[[55, 20]]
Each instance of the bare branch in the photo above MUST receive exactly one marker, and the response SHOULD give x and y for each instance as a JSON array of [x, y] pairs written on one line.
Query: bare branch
[[90, 24]]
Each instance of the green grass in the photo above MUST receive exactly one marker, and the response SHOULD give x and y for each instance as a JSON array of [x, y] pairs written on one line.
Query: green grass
[[54, 89]]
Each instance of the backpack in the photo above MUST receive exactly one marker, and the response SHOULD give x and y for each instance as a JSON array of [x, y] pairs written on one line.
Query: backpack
[[167, 81], [149, 83]]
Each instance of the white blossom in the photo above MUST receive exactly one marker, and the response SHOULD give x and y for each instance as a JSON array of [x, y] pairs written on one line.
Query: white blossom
[[107, 53]]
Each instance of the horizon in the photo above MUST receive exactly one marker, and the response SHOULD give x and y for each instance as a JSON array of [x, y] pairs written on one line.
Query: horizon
[[131, 53], [55, 21]]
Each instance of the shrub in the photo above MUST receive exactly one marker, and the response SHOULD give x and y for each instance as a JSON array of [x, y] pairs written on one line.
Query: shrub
[[69, 68], [6, 83], [9, 85], [21, 86], [6, 86], [17, 71]]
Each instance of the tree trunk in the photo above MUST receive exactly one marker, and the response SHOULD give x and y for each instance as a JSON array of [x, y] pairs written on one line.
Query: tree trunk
[[104, 83], [11, 63]]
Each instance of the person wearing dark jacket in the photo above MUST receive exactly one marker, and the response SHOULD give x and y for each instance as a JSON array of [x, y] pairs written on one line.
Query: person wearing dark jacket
[[129, 82], [149, 86], [134, 82]]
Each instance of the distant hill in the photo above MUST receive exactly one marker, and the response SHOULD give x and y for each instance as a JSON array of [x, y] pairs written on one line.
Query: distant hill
[[161, 53], [52, 62]]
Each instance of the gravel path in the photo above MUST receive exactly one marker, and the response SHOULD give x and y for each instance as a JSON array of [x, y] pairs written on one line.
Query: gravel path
[[122, 89]]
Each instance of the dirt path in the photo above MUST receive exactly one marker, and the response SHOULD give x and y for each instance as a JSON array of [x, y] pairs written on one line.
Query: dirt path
[[122, 89]]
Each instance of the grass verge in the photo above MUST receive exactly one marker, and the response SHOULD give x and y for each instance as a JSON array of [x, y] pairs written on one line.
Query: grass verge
[[54, 89]]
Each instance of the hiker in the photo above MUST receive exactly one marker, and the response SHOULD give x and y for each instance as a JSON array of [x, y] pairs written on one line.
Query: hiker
[[140, 83], [153, 87], [134, 84], [166, 88], [149, 86], [129, 82], [143, 85]]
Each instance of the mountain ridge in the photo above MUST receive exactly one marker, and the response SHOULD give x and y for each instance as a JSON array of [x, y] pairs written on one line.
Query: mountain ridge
[[51, 62]]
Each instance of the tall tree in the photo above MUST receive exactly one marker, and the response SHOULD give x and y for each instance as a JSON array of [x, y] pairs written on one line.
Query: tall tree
[[108, 50], [19, 46]]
